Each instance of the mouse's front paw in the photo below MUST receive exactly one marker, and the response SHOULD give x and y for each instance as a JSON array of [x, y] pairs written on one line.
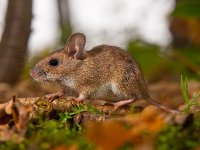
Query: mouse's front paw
[[79, 100]]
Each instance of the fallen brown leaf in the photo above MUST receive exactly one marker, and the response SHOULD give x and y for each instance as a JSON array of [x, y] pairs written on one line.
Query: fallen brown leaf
[[109, 135], [19, 114], [141, 130]]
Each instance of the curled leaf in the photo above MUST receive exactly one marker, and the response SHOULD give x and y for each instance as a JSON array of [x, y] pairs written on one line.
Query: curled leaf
[[14, 118]]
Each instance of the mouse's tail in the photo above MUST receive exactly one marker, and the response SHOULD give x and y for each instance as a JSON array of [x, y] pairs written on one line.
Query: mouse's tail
[[159, 105]]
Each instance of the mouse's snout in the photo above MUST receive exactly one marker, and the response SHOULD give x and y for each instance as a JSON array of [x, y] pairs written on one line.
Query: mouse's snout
[[36, 72]]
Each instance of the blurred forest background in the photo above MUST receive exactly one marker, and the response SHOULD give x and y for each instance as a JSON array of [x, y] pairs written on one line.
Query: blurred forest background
[[163, 36]]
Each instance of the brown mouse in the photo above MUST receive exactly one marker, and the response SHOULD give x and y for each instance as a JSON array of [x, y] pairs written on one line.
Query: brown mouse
[[104, 73]]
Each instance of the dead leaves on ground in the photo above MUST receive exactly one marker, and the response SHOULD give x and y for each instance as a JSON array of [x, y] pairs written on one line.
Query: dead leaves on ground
[[14, 119], [118, 128], [109, 130], [16, 114], [139, 130]]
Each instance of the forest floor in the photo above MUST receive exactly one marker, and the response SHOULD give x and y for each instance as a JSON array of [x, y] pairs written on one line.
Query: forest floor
[[29, 122]]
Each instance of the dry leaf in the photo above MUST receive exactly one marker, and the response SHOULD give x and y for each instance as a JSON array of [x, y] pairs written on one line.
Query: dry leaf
[[19, 114], [112, 134], [109, 135]]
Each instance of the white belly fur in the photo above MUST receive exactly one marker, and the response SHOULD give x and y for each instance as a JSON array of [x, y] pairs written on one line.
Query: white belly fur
[[108, 91]]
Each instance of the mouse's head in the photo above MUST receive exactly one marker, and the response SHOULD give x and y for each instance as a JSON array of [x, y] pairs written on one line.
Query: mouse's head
[[61, 63]]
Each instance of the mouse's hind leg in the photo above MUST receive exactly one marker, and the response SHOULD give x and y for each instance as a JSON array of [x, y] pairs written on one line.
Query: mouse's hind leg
[[123, 103]]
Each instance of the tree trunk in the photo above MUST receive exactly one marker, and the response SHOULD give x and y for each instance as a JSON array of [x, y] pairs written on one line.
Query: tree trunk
[[13, 46]]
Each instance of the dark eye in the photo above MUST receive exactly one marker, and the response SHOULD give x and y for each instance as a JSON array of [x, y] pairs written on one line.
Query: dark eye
[[53, 62]]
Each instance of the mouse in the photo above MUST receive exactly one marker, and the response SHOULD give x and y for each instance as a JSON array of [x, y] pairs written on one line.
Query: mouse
[[105, 72]]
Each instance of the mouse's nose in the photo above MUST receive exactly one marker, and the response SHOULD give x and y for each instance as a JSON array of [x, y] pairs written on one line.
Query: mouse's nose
[[33, 72], [36, 72]]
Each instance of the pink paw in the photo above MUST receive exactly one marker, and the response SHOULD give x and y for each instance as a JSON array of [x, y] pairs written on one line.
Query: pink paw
[[78, 100]]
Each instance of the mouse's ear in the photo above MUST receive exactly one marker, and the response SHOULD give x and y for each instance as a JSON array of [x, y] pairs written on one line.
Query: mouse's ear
[[75, 45]]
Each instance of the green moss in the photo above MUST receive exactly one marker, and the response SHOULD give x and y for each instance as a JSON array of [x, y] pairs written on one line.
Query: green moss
[[177, 137], [47, 134]]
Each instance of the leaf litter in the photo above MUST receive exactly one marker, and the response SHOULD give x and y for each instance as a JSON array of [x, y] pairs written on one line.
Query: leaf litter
[[103, 126]]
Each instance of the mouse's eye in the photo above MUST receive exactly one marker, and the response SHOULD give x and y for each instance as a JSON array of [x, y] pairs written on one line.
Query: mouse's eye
[[53, 62]]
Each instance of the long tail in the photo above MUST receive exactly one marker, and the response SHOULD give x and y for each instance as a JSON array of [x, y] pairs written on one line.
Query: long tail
[[159, 105]]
